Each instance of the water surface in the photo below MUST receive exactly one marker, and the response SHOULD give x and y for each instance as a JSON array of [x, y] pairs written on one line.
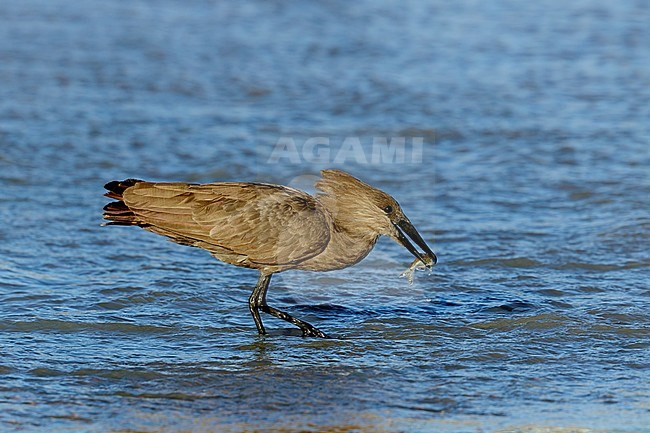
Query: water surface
[[532, 187]]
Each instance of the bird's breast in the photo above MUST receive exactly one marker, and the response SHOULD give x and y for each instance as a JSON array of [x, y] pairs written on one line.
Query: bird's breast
[[344, 249]]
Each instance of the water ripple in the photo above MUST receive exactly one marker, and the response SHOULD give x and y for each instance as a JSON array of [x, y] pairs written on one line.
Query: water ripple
[[532, 186]]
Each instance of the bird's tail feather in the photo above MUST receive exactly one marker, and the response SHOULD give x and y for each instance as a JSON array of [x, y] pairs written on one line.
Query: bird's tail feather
[[117, 212]]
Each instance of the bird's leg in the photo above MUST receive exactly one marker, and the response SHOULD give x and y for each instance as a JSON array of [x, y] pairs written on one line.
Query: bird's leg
[[256, 299], [257, 302]]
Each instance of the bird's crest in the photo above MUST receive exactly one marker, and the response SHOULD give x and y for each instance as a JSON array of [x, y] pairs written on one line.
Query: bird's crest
[[351, 201]]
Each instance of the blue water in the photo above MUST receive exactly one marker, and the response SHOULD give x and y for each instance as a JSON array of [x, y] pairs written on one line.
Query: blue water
[[532, 186]]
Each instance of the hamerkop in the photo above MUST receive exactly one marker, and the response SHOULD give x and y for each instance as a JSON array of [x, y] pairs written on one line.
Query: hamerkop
[[271, 228]]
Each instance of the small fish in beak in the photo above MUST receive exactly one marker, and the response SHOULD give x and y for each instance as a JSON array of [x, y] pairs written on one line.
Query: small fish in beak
[[417, 265]]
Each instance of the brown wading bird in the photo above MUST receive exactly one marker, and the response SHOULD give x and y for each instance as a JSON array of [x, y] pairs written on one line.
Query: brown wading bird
[[267, 227]]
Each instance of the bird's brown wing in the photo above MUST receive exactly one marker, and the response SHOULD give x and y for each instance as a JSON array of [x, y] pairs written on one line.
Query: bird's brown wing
[[251, 224]]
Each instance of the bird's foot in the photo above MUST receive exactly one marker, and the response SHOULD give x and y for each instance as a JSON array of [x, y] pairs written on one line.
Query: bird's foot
[[309, 331]]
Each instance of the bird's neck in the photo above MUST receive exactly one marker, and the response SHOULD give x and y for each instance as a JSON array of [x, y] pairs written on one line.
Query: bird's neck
[[348, 245]]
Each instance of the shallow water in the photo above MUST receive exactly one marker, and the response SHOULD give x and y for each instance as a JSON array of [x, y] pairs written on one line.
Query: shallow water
[[532, 186]]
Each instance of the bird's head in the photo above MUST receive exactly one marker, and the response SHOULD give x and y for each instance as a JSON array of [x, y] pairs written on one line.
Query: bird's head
[[357, 206]]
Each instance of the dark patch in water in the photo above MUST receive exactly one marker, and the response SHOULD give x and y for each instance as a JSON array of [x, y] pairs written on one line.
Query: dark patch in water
[[512, 307]]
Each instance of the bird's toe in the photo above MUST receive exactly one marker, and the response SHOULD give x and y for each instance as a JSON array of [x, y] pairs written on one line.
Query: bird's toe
[[314, 332]]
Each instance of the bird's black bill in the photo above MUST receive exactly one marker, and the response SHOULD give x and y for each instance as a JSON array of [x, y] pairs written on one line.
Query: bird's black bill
[[405, 227]]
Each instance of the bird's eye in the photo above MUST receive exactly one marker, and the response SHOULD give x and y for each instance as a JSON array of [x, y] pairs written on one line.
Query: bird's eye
[[388, 209]]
